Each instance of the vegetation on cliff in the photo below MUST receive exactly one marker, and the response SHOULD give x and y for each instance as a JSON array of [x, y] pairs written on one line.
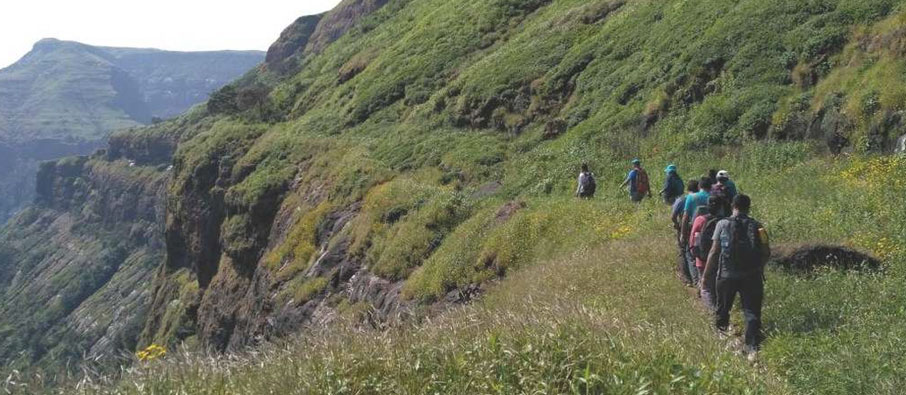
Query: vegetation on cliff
[[428, 156]]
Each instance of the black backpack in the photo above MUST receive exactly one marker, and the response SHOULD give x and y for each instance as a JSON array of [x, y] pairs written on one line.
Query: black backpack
[[589, 186], [742, 249], [705, 241]]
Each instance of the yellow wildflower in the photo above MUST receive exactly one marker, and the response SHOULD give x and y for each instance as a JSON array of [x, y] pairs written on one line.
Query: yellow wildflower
[[151, 353]]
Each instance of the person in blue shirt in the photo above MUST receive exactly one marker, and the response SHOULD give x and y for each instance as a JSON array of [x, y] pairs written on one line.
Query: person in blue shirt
[[673, 186], [637, 181], [676, 216], [694, 201]]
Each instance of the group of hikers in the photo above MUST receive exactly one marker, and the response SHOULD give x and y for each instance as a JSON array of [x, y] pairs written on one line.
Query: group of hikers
[[722, 250]]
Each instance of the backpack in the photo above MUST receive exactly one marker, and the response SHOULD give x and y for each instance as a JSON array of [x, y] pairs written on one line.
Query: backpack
[[722, 192], [702, 246], [641, 182], [676, 186], [588, 187], [741, 248], [701, 207]]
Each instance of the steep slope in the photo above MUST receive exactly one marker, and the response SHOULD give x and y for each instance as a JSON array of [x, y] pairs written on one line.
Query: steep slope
[[77, 264], [429, 152], [64, 98], [383, 184], [342, 185]]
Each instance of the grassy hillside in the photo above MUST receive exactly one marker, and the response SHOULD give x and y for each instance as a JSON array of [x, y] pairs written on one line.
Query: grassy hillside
[[596, 307], [428, 156]]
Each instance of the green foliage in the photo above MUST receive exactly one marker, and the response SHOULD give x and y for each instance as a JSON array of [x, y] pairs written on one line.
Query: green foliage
[[426, 126], [310, 288], [403, 221], [296, 251]]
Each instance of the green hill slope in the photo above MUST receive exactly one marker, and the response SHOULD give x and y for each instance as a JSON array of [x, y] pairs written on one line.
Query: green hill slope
[[427, 157]]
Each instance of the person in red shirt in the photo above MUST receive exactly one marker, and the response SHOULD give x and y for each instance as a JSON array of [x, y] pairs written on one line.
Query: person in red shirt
[[700, 242]]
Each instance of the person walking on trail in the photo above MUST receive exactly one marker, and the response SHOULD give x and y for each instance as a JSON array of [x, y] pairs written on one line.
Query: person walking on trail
[[724, 194], [637, 181], [677, 216], [695, 204], [738, 255], [700, 244], [673, 186], [587, 184], [723, 178]]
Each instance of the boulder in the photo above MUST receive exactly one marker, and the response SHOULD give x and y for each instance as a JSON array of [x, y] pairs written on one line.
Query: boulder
[[809, 258]]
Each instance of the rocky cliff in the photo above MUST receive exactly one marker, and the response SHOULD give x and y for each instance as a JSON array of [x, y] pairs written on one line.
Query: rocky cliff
[[79, 262]]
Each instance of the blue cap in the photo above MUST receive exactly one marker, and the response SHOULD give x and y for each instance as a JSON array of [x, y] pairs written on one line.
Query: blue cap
[[636, 162], [670, 169]]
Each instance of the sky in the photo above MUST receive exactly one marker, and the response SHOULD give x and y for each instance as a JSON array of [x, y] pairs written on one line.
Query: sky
[[180, 25]]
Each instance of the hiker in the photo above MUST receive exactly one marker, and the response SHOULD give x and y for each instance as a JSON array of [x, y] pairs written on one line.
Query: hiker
[[700, 244], [637, 180], [723, 177], [736, 262], [695, 203], [725, 190], [587, 184], [679, 205], [673, 186], [676, 216], [712, 175]]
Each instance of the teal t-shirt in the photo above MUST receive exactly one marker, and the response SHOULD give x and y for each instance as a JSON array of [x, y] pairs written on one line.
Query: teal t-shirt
[[700, 198]]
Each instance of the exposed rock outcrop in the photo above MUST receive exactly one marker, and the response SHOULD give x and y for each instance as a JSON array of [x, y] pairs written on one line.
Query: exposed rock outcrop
[[808, 258], [339, 20], [292, 41]]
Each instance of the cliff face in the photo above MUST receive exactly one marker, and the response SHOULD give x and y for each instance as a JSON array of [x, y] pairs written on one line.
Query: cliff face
[[78, 264], [221, 224]]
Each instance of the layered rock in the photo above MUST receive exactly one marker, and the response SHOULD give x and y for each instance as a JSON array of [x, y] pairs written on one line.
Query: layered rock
[[79, 263]]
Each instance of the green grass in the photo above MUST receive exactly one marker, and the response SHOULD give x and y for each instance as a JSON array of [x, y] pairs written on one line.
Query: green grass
[[444, 125], [539, 331], [595, 306]]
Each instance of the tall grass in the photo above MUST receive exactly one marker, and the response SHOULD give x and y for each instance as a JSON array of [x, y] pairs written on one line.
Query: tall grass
[[603, 312]]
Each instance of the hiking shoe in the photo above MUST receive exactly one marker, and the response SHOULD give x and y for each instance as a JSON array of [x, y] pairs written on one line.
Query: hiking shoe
[[752, 356], [723, 334]]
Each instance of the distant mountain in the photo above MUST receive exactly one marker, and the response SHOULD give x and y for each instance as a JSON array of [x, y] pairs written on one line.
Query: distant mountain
[[63, 98]]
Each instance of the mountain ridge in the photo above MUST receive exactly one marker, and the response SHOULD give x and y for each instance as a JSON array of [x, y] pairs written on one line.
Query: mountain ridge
[[64, 98]]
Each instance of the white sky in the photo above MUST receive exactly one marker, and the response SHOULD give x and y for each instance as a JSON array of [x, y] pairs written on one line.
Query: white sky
[[183, 25]]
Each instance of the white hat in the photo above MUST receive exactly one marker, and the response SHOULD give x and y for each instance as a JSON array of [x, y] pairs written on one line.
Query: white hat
[[723, 174]]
